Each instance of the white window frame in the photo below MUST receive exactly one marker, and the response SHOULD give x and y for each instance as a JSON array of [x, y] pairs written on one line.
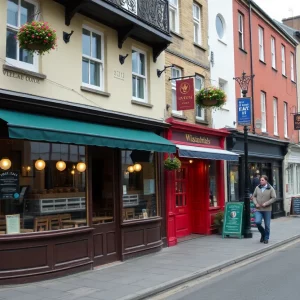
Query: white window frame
[[283, 66], [261, 43], [101, 61], [285, 124], [144, 77], [173, 83], [197, 24], [273, 52], [275, 115], [292, 67], [198, 108], [263, 111], [16, 62], [175, 9], [223, 86], [241, 30]]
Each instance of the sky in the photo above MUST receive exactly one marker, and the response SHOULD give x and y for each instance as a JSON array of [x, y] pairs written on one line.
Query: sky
[[280, 9]]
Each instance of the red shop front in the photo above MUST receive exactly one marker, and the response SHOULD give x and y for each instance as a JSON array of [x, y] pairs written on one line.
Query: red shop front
[[195, 192]]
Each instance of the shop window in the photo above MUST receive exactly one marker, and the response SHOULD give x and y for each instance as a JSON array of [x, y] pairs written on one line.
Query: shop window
[[139, 185], [290, 179], [298, 178], [234, 182], [213, 195], [277, 182], [180, 186], [42, 186]]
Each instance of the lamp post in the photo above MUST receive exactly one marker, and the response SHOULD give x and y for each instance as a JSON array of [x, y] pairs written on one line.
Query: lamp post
[[244, 82]]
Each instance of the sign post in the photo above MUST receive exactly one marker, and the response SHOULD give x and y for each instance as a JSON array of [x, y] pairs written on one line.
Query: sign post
[[185, 94], [233, 219], [244, 111]]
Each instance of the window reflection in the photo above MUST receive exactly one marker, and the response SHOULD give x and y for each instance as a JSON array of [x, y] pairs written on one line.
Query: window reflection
[[213, 197]]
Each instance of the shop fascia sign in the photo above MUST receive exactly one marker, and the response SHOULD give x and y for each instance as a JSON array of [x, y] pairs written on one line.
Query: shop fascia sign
[[195, 139]]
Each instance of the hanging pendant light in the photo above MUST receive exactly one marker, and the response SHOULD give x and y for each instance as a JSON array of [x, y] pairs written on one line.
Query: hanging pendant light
[[40, 164], [81, 167], [130, 169], [61, 165], [73, 172], [137, 167], [5, 163]]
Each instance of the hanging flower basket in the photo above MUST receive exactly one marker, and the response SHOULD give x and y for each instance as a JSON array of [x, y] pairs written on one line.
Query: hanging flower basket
[[211, 97], [37, 37], [172, 163]]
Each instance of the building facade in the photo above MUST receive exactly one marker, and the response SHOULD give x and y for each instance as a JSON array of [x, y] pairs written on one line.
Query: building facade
[[81, 137]]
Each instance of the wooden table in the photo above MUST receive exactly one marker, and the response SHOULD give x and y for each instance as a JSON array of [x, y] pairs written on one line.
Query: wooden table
[[79, 222]]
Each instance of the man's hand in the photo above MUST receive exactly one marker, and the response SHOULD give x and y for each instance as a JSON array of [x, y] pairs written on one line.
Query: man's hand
[[257, 206], [264, 205]]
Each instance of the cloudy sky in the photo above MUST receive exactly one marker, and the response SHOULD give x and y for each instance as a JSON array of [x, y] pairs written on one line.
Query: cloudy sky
[[280, 9]]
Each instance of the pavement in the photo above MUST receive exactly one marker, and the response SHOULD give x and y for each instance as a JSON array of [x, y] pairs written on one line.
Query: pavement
[[145, 276]]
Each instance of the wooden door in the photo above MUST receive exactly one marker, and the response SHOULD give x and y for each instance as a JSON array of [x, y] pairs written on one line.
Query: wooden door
[[104, 195]]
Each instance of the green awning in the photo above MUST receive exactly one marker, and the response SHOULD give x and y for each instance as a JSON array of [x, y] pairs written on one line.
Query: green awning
[[57, 130]]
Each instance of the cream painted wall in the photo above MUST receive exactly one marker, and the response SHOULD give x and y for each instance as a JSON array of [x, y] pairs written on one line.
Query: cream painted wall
[[63, 68]]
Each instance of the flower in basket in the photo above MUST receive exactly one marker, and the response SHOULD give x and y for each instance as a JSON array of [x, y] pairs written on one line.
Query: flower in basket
[[37, 37], [172, 163], [211, 97]]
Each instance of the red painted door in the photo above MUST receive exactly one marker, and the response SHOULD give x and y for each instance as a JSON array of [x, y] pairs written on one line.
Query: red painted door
[[181, 202]]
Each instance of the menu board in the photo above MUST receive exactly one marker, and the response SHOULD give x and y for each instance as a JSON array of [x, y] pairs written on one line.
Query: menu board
[[12, 224], [295, 206], [9, 185], [233, 219]]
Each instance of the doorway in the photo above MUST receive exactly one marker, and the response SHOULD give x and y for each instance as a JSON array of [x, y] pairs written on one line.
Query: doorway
[[105, 217]]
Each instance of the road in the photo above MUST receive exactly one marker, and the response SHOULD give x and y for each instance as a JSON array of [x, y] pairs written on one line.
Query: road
[[275, 277]]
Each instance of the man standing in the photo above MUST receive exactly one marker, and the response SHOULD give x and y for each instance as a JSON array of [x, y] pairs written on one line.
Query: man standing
[[263, 197]]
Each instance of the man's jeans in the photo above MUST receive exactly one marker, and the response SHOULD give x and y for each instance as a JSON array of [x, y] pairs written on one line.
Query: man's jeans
[[265, 232]]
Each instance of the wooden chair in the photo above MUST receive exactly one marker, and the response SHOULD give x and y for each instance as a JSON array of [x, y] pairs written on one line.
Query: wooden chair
[[2, 225], [63, 218], [129, 213], [54, 222], [41, 224]]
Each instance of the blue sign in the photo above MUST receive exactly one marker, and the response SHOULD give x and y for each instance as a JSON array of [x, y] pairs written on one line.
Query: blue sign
[[244, 111]]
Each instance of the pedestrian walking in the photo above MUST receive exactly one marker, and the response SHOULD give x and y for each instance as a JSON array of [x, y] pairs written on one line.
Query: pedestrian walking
[[263, 197]]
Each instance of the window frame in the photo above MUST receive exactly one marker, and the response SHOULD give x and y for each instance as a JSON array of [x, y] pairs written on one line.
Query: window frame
[[275, 115], [173, 84], [283, 61], [174, 8], [273, 52], [198, 109], [144, 77], [263, 111], [197, 22], [285, 119], [90, 58], [16, 62], [241, 31], [292, 58], [261, 43]]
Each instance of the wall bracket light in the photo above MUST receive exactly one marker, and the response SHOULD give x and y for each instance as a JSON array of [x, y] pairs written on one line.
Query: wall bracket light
[[67, 36], [122, 58]]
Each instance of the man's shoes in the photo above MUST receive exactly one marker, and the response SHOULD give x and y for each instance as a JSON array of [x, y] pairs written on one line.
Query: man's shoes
[[266, 242], [262, 239]]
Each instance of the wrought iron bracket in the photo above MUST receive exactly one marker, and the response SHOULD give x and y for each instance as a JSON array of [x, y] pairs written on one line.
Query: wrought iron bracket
[[159, 72], [244, 82], [158, 49], [123, 34], [72, 7]]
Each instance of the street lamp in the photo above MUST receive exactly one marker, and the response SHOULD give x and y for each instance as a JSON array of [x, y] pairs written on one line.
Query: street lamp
[[244, 82]]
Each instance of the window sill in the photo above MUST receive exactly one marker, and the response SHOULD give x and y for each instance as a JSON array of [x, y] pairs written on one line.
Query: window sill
[[284, 76], [177, 34], [203, 122], [293, 81], [275, 70], [276, 135], [222, 42], [94, 91], [181, 117], [200, 47], [135, 102], [24, 71], [262, 62], [214, 208], [243, 50], [140, 221], [287, 138], [265, 133]]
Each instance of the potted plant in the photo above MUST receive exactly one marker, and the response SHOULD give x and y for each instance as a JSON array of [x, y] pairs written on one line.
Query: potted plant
[[218, 221], [211, 97], [37, 37], [172, 163]]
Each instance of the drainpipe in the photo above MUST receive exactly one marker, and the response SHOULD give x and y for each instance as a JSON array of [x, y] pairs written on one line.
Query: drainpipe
[[251, 65]]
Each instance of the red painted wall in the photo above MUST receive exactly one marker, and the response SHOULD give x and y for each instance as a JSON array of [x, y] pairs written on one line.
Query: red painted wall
[[266, 79]]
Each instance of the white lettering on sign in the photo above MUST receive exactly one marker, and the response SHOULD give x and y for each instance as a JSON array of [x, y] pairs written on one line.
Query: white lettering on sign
[[21, 76]]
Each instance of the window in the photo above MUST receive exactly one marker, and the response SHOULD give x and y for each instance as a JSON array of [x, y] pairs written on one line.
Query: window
[[176, 72], [180, 186], [197, 24], [18, 13], [234, 181], [174, 15], [273, 52], [298, 178], [275, 115], [139, 185], [213, 194], [285, 112], [261, 44], [92, 59], [220, 26], [292, 67], [199, 84], [263, 112], [283, 60], [139, 78], [241, 31], [290, 179], [43, 198]]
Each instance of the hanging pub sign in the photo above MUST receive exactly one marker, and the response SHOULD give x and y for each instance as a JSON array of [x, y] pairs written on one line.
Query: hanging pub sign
[[297, 122], [185, 94]]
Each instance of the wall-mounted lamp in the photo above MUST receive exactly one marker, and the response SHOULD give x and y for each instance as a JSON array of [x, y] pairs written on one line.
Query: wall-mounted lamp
[[122, 58], [190, 161], [168, 106], [67, 36], [159, 72]]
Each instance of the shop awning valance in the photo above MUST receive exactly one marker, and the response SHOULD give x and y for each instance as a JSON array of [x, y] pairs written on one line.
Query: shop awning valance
[[206, 153], [57, 130]]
